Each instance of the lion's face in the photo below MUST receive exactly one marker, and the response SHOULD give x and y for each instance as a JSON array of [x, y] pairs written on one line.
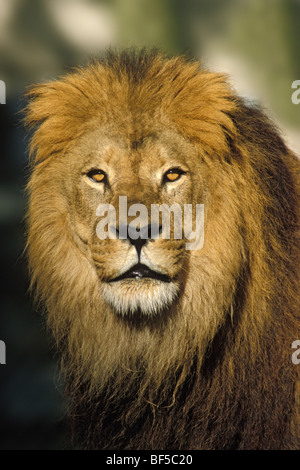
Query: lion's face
[[162, 145], [143, 273]]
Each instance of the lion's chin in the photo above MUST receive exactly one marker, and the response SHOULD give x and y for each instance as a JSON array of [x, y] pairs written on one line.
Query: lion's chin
[[144, 296]]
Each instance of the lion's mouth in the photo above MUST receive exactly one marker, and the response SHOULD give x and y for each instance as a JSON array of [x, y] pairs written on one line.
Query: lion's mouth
[[141, 271]]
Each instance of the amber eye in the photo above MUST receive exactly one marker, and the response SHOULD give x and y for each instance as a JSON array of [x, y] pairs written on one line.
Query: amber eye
[[173, 174], [98, 176]]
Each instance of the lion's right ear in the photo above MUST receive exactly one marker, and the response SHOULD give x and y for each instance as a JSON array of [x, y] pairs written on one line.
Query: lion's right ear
[[56, 113], [38, 117]]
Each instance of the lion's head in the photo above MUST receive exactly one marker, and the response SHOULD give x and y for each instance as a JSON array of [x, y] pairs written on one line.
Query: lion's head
[[132, 310]]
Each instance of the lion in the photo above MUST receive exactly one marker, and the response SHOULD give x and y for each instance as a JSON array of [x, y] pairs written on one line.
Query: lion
[[164, 347]]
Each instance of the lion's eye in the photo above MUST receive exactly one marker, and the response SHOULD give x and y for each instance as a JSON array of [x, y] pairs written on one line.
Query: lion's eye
[[98, 176], [173, 174]]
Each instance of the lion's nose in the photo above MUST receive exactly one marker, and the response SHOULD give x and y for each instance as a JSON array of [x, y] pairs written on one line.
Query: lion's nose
[[138, 237]]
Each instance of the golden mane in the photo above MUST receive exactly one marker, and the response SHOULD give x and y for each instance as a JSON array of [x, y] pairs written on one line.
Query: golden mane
[[214, 372]]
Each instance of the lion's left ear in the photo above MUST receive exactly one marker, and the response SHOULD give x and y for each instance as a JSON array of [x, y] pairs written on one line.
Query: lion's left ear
[[255, 128], [203, 112], [272, 168]]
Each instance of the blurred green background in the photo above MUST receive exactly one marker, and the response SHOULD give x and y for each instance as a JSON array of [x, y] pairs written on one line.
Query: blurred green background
[[255, 41]]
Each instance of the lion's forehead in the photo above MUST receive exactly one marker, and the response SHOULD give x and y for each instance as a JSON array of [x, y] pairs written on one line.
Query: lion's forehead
[[131, 152]]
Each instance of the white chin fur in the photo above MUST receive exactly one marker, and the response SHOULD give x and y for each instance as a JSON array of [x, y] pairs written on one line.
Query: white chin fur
[[146, 296]]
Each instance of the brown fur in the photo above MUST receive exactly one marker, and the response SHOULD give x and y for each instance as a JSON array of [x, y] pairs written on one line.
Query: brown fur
[[213, 369]]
